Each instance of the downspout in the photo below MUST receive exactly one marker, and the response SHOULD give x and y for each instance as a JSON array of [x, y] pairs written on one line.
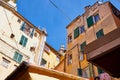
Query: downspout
[[41, 49]]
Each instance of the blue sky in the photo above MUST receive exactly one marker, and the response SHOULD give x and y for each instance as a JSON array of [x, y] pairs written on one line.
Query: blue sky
[[43, 14]]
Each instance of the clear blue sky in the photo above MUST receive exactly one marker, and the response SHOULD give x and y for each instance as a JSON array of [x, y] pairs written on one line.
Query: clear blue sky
[[42, 13]]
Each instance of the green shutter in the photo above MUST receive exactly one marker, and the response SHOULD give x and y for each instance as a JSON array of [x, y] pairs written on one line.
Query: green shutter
[[100, 71], [19, 58], [21, 40], [90, 21], [25, 41], [23, 26], [82, 45], [79, 72], [100, 33], [15, 56], [76, 32]]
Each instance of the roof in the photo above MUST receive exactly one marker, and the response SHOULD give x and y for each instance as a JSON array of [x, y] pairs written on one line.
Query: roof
[[55, 52], [25, 68], [10, 8], [73, 21]]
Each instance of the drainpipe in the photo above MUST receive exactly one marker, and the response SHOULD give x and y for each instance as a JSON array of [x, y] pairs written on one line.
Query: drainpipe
[[41, 49]]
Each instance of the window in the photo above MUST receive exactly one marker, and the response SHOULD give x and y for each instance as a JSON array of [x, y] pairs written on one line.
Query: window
[[96, 18], [90, 21], [70, 38], [79, 71], [69, 58], [116, 12], [43, 62], [5, 63], [76, 32], [86, 72], [82, 46], [23, 41], [27, 29], [100, 33], [82, 29], [17, 57], [19, 20]]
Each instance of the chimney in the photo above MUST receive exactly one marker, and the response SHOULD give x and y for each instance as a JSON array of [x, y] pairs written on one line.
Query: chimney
[[62, 50]]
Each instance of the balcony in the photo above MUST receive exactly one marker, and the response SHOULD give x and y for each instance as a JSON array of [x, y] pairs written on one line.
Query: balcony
[[105, 53]]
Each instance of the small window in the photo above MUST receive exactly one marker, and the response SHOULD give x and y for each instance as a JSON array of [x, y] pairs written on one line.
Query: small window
[[17, 57], [116, 12], [100, 33], [76, 32], [5, 63], [43, 62], [69, 59], [90, 21], [23, 40], [70, 38], [19, 20], [82, 29], [96, 18]]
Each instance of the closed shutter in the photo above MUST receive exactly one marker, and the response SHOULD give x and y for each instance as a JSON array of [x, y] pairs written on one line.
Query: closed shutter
[[25, 42], [90, 21], [19, 58], [100, 33], [76, 32], [15, 56], [79, 72]]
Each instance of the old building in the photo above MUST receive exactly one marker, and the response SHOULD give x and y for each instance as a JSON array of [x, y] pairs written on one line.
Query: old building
[[50, 57], [98, 20], [19, 39]]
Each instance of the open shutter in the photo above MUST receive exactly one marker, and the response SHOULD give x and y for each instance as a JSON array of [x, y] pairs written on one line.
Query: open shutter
[[79, 71], [82, 46], [23, 26], [22, 40], [90, 21], [76, 32], [31, 35], [25, 41]]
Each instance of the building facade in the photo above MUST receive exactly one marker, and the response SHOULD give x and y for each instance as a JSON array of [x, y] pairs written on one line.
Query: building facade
[[19, 39], [97, 21], [50, 57]]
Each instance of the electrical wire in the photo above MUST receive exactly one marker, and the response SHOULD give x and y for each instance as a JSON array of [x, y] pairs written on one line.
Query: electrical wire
[[67, 17], [10, 25]]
